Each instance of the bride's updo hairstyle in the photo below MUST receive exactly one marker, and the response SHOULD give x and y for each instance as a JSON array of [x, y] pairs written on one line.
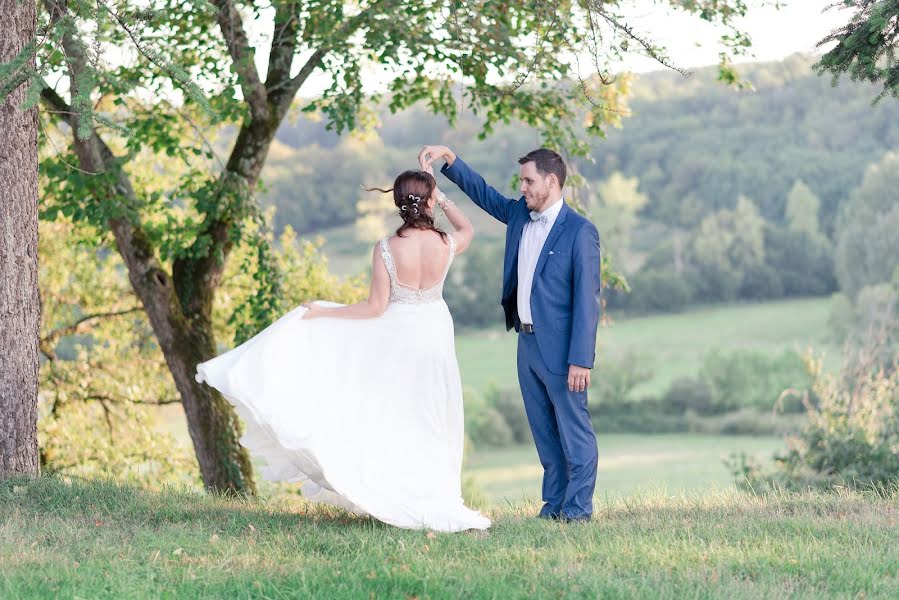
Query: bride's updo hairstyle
[[411, 191]]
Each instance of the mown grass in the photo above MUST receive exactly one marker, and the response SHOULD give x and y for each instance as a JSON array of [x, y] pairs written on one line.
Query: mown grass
[[103, 540], [629, 464]]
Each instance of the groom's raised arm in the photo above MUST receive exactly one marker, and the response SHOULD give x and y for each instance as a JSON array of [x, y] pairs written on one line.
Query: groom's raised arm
[[477, 189]]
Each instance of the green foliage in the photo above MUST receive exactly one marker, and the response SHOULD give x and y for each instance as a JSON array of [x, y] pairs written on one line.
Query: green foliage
[[484, 424], [733, 394], [802, 209], [510, 405], [744, 422], [615, 206], [305, 277], [134, 112], [795, 264], [753, 379], [866, 46], [874, 315], [614, 405], [496, 418], [315, 187], [761, 282], [867, 245], [474, 286], [681, 140], [104, 382], [658, 291], [851, 437], [689, 394], [103, 379], [803, 264], [696, 147], [731, 240], [620, 378]]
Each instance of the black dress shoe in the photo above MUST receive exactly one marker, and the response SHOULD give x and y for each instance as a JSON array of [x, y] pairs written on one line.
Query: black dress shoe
[[548, 513], [575, 519]]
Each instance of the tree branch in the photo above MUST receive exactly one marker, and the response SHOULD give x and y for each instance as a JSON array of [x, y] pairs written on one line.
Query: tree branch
[[147, 277], [73, 328], [57, 106], [341, 34], [243, 57], [104, 398], [284, 45], [310, 65]]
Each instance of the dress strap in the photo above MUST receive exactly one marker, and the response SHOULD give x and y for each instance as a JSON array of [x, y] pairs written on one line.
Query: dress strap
[[452, 255], [388, 259]]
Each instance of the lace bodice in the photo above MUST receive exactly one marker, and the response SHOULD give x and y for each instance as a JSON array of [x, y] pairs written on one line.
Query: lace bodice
[[404, 294]]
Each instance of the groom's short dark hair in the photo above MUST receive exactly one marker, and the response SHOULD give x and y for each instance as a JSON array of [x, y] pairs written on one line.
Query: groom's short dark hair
[[547, 161]]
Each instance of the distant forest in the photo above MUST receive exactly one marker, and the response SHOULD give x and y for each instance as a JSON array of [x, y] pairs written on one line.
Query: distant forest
[[694, 144], [705, 194]]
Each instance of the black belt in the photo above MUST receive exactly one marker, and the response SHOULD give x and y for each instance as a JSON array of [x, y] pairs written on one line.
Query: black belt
[[527, 328]]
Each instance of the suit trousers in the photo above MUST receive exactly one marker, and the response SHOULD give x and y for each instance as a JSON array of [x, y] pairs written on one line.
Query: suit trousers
[[563, 433]]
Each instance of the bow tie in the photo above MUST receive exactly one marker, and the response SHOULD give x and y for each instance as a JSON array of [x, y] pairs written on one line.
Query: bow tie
[[538, 218]]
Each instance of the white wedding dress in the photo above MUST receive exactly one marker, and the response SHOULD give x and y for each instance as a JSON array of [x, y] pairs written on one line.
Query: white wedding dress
[[365, 413]]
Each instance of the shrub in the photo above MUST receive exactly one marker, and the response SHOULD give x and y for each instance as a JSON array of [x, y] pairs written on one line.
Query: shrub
[[637, 420], [687, 393], [761, 282], [715, 283], [616, 381], [659, 291], [510, 405], [488, 428], [745, 421], [748, 378], [851, 437]]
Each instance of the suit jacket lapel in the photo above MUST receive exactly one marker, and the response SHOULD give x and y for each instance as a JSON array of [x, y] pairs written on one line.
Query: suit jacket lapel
[[515, 232], [554, 234]]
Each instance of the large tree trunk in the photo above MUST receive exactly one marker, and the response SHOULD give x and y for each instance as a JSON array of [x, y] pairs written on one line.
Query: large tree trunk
[[183, 338], [179, 306], [184, 334], [20, 308]]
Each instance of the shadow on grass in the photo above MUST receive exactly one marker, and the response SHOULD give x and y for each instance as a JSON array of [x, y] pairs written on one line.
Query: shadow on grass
[[68, 497], [76, 499]]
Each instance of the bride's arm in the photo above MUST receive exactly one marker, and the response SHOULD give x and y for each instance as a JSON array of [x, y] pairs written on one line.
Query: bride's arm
[[373, 307], [464, 229]]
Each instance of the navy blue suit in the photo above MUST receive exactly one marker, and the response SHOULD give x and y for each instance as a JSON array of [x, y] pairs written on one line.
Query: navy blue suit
[[565, 310]]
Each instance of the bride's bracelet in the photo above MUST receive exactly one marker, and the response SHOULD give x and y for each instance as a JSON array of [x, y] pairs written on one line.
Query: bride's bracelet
[[443, 201]]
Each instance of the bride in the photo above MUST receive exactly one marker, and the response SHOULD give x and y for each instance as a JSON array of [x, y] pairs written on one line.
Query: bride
[[362, 404]]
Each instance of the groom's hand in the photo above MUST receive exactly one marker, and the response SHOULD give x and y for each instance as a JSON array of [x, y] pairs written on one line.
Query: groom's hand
[[578, 378], [429, 154]]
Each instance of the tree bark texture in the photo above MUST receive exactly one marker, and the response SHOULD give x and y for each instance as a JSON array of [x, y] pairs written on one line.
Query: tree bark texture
[[20, 307]]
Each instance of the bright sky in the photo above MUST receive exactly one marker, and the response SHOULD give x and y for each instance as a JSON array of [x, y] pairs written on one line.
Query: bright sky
[[797, 27]]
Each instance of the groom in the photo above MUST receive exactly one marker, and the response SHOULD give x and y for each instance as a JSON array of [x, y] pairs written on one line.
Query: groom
[[551, 282]]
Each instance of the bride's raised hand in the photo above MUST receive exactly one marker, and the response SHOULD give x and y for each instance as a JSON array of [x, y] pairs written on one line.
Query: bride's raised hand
[[429, 154]]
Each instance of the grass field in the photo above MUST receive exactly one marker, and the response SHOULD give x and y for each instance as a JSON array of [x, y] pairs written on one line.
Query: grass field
[[629, 465], [670, 345], [101, 540]]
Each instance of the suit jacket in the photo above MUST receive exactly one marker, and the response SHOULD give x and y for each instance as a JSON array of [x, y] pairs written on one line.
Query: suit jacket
[[566, 288]]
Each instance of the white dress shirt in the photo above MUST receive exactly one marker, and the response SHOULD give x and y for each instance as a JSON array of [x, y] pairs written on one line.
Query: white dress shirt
[[532, 239]]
